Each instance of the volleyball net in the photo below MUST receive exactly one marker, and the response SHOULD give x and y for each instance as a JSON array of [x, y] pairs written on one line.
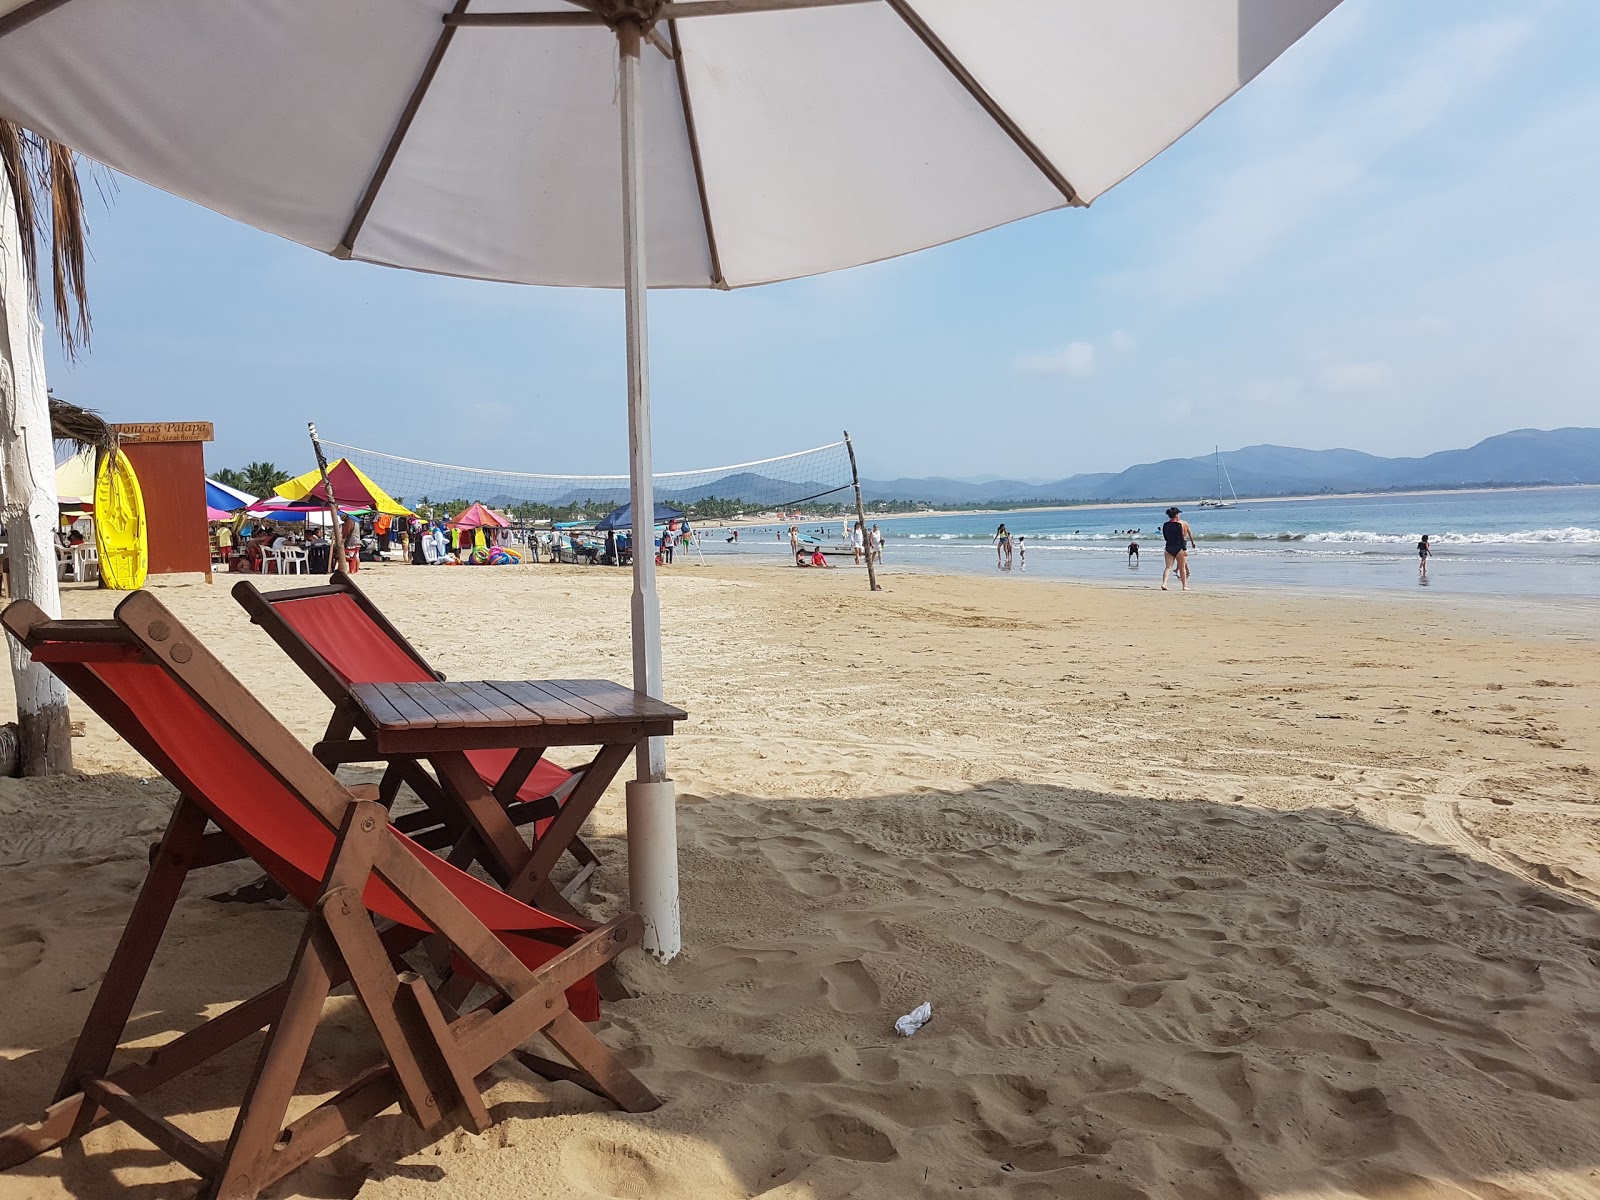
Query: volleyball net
[[818, 478]]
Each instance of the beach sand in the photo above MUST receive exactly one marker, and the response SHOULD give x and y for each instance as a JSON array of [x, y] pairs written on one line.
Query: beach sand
[[1214, 896]]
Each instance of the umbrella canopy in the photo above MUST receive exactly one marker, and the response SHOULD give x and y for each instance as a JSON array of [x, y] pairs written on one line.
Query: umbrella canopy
[[352, 487], [75, 480], [281, 508], [228, 499], [217, 514], [773, 138], [479, 515], [622, 518], [428, 135]]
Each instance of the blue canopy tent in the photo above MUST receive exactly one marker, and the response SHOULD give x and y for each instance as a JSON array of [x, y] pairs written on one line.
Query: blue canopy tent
[[622, 518], [221, 496]]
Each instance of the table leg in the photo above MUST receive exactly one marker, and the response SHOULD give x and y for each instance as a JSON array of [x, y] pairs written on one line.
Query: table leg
[[504, 853], [531, 883]]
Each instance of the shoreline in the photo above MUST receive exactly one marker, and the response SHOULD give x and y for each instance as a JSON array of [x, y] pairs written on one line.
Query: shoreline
[[1097, 505], [1564, 616]]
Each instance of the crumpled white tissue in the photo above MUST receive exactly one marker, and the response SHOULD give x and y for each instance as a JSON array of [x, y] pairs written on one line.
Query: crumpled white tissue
[[914, 1020]]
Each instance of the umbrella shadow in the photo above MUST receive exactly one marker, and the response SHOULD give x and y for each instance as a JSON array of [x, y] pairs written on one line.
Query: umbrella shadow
[[1130, 996]]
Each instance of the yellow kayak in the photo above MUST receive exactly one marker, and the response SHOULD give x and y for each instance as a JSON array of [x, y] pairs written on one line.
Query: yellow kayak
[[119, 528]]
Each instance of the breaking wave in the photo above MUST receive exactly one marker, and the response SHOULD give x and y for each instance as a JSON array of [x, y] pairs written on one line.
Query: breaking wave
[[1572, 535]]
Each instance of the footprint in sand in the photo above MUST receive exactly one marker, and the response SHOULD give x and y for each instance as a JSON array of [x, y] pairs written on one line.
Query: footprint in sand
[[841, 1135], [609, 1167], [849, 987], [21, 950]]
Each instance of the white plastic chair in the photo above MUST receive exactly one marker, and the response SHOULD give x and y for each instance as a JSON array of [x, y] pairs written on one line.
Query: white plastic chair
[[85, 562], [293, 560], [271, 561]]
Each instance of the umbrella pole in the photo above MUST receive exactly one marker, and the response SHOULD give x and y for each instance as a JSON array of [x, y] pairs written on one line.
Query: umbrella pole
[[651, 798]]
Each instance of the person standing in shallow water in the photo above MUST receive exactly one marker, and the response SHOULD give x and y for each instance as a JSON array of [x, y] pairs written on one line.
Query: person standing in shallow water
[[1002, 548], [1179, 539], [1424, 552]]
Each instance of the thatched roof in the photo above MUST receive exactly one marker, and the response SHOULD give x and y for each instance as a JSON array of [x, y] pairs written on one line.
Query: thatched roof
[[80, 426]]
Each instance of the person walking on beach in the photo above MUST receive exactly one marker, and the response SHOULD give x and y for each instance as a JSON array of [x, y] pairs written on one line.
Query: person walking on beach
[[1002, 548], [1179, 539], [875, 544], [1133, 554], [1424, 552], [1022, 553], [794, 539], [858, 543]]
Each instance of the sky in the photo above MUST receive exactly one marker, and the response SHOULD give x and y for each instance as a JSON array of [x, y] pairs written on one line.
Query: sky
[[1386, 242]]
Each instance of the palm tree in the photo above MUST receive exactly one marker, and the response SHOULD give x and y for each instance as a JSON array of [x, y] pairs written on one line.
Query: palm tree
[[263, 478], [40, 200]]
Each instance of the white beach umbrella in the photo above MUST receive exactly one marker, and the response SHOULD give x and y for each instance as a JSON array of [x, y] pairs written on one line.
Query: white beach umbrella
[[774, 138]]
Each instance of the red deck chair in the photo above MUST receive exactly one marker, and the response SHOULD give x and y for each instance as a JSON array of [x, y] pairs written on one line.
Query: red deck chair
[[371, 894], [339, 637]]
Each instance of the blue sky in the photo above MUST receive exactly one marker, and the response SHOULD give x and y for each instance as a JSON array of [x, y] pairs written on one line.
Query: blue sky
[[1386, 242]]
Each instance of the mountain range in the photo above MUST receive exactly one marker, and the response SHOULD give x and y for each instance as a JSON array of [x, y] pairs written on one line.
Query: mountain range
[[1523, 456]]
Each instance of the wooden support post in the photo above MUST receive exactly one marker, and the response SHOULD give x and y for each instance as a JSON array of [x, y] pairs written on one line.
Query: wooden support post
[[335, 531], [861, 513]]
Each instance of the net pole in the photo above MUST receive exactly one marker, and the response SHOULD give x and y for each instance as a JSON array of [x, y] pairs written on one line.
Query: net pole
[[861, 513], [335, 530], [651, 799]]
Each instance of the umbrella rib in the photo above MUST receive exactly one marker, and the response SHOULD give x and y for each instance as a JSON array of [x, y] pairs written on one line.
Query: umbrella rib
[[27, 14], [347, 244], [987, 102], [675, 9], [717, 278]]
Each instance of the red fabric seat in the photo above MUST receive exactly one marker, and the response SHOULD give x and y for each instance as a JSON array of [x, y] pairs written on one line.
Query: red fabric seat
[[279, 830], [361, 652]]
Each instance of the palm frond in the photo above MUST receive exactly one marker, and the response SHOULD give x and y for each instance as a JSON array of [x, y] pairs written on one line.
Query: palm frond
[[43, 177], [69, 250], [79, 426]]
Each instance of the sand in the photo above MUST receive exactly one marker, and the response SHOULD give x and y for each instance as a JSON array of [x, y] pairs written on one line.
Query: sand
[[1212, 895]]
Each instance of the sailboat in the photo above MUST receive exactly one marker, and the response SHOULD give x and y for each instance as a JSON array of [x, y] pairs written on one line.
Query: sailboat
[[1222, 474]]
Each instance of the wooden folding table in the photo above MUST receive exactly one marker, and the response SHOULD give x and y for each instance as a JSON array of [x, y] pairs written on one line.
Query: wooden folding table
[[438, 721]]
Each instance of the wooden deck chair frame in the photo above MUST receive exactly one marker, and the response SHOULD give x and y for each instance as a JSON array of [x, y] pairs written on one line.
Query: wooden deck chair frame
[[430, 1053], [437, 826]]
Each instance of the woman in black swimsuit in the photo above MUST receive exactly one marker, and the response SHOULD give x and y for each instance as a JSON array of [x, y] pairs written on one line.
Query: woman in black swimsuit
[[1179, 539], [1002, 548]]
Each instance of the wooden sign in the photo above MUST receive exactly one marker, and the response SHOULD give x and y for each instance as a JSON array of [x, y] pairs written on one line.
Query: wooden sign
[[167, 431]]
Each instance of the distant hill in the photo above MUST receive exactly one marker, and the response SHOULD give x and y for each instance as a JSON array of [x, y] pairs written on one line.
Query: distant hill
[[1523, 456]]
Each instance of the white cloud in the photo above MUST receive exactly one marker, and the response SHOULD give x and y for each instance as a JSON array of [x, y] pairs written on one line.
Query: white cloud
[[1121, 341], [1322, 156], [1075, 358], [1341, 378]]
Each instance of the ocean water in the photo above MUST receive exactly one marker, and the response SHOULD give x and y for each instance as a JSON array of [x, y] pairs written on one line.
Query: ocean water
[[1541, 541]]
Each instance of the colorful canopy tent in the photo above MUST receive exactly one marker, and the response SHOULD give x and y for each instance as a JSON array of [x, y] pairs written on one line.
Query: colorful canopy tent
[[216, 514], [351, 488], [622, 517], [75, 481], [228, 499], [307, 508], [479, 515]]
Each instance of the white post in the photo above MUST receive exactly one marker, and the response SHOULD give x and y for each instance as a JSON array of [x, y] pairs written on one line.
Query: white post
[[29, 503], [651, 798]]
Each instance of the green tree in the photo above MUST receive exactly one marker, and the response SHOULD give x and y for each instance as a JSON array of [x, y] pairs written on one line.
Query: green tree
[[261, 478]]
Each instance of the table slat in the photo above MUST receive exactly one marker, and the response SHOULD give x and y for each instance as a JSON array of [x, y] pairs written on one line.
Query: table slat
[[618, 700], [553, 707]]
